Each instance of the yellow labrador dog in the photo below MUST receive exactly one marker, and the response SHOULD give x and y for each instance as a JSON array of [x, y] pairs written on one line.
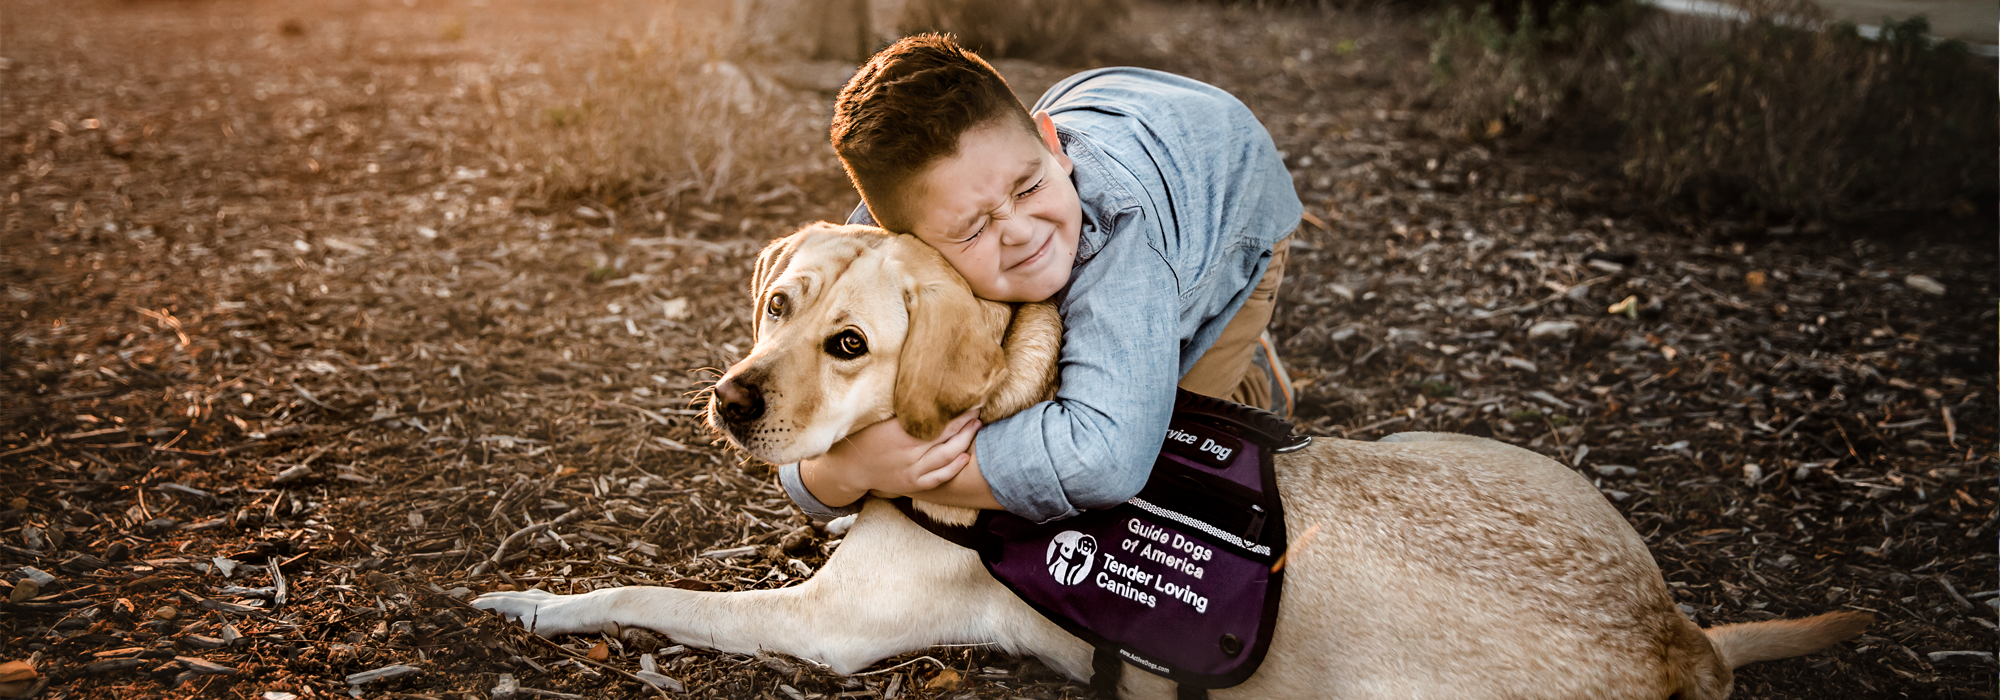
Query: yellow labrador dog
[[1446, 566]]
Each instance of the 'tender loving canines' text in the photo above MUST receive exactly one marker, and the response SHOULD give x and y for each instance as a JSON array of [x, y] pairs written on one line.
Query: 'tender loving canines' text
[[1173, 550]]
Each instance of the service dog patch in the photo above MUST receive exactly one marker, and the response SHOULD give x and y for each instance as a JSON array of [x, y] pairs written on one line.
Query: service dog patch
[[1182, 580]]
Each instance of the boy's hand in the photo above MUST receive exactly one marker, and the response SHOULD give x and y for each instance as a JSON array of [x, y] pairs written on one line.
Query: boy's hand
[[885, 459]]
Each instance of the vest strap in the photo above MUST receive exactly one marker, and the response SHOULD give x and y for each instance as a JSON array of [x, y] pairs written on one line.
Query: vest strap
[[1105, 670], [974, 537], [1261, 426]]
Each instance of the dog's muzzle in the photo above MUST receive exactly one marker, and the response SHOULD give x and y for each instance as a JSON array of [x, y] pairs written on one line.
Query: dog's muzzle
[[741, 399]]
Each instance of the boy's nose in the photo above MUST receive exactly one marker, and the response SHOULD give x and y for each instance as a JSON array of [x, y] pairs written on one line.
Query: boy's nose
[[1016, 231]]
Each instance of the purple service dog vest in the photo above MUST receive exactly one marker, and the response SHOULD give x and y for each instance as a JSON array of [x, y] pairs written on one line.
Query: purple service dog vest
[[1183, 580]]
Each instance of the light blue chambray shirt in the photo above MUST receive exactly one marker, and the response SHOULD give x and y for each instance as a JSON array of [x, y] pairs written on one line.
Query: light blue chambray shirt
[[1183, 195]]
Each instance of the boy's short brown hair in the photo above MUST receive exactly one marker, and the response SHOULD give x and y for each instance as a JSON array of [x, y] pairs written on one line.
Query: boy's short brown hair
[[906, 108]]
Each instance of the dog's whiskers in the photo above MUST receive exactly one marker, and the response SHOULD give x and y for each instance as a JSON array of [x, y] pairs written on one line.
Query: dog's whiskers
[[706, 394], [703, 400]]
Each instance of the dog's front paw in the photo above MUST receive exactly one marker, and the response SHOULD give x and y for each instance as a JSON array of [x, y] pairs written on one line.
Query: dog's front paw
[[546, 613]]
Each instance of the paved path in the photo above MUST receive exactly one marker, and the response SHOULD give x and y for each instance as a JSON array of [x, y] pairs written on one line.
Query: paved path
[[1971, 20]]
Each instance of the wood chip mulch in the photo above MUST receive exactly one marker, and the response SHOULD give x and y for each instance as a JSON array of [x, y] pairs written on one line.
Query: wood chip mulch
[[294, 365]]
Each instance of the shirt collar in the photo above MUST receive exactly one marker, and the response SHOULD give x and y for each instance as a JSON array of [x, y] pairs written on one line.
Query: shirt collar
[[1103, 197]]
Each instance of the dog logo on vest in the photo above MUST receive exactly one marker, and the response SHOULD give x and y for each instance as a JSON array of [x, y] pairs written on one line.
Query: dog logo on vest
[[1069, 556]]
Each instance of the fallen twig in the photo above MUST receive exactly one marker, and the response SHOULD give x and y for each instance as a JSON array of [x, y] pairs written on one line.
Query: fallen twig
[[38, 444], [940, 664], [278, 582], [501, 551], [657, 416]]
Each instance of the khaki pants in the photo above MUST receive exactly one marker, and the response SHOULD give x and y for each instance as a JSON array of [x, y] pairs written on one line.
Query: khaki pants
[[1225, 371]]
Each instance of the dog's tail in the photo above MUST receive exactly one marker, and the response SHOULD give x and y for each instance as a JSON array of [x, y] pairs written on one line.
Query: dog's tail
[[1751, 642]]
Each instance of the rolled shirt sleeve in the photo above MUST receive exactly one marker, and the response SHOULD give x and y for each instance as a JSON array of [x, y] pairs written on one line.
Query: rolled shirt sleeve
[[795, 486]]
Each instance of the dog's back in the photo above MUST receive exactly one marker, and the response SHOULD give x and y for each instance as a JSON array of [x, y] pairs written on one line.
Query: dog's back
[[1450, 566]]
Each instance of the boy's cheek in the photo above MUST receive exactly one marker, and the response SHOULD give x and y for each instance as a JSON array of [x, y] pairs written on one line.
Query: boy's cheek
[[980, 273]]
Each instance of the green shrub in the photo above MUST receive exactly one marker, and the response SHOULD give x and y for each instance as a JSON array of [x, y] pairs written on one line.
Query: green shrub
[[1049, 30], [1812, 123]]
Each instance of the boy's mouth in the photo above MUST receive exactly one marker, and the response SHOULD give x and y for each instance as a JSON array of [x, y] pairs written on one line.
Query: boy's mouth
[[1039, 253]]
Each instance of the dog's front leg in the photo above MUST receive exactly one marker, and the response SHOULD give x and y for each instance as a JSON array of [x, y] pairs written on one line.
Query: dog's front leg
[[890, 588]]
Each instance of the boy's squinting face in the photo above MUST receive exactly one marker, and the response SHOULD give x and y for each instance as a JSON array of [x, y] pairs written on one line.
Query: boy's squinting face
[[1002, 210]]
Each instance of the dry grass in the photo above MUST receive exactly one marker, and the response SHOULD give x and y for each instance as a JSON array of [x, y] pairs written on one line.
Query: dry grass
[[1050, 30], [1524, 76], [1815, 123], [658, 115], [1761, 115], [655, 116]]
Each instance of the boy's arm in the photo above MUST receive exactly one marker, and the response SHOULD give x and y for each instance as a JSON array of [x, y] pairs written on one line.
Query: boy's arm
[[815, 483], [1092, 447], [967, 488], [882, 458]]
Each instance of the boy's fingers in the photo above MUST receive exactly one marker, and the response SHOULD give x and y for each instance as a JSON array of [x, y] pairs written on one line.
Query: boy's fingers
[[938, 477], [942, 454], [962, 420], [960, 435], [950, 446], [960, 441]]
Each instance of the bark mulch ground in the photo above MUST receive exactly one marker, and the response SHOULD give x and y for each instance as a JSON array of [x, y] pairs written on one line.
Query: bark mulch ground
[[295, 363]]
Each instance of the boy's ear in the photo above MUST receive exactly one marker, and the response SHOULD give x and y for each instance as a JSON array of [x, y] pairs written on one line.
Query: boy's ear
[[1046, 127], [951, 357]]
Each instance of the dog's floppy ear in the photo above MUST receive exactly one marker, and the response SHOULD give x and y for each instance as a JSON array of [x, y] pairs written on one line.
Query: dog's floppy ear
[[951, 358]]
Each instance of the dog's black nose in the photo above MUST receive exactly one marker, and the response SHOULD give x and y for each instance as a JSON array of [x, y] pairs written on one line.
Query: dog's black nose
[[742, 401]]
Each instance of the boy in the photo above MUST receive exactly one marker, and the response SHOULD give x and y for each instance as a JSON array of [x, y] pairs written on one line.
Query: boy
[[1146, 205]]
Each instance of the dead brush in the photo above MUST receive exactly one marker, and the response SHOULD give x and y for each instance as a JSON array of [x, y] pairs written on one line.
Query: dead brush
[[1524, 76], [1784, 113], [653, 116], [1048, 30], [1789, 114]]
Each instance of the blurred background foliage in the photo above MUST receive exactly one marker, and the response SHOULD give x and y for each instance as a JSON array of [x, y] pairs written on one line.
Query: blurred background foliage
[[1821, 123], [1786, 114], [1031, 29]]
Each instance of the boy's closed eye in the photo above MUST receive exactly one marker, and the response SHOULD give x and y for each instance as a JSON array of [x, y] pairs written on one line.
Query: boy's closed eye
[[988, 219]]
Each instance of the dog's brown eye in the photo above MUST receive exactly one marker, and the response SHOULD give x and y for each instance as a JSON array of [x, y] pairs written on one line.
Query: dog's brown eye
[[778, 305], [846, 345]]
